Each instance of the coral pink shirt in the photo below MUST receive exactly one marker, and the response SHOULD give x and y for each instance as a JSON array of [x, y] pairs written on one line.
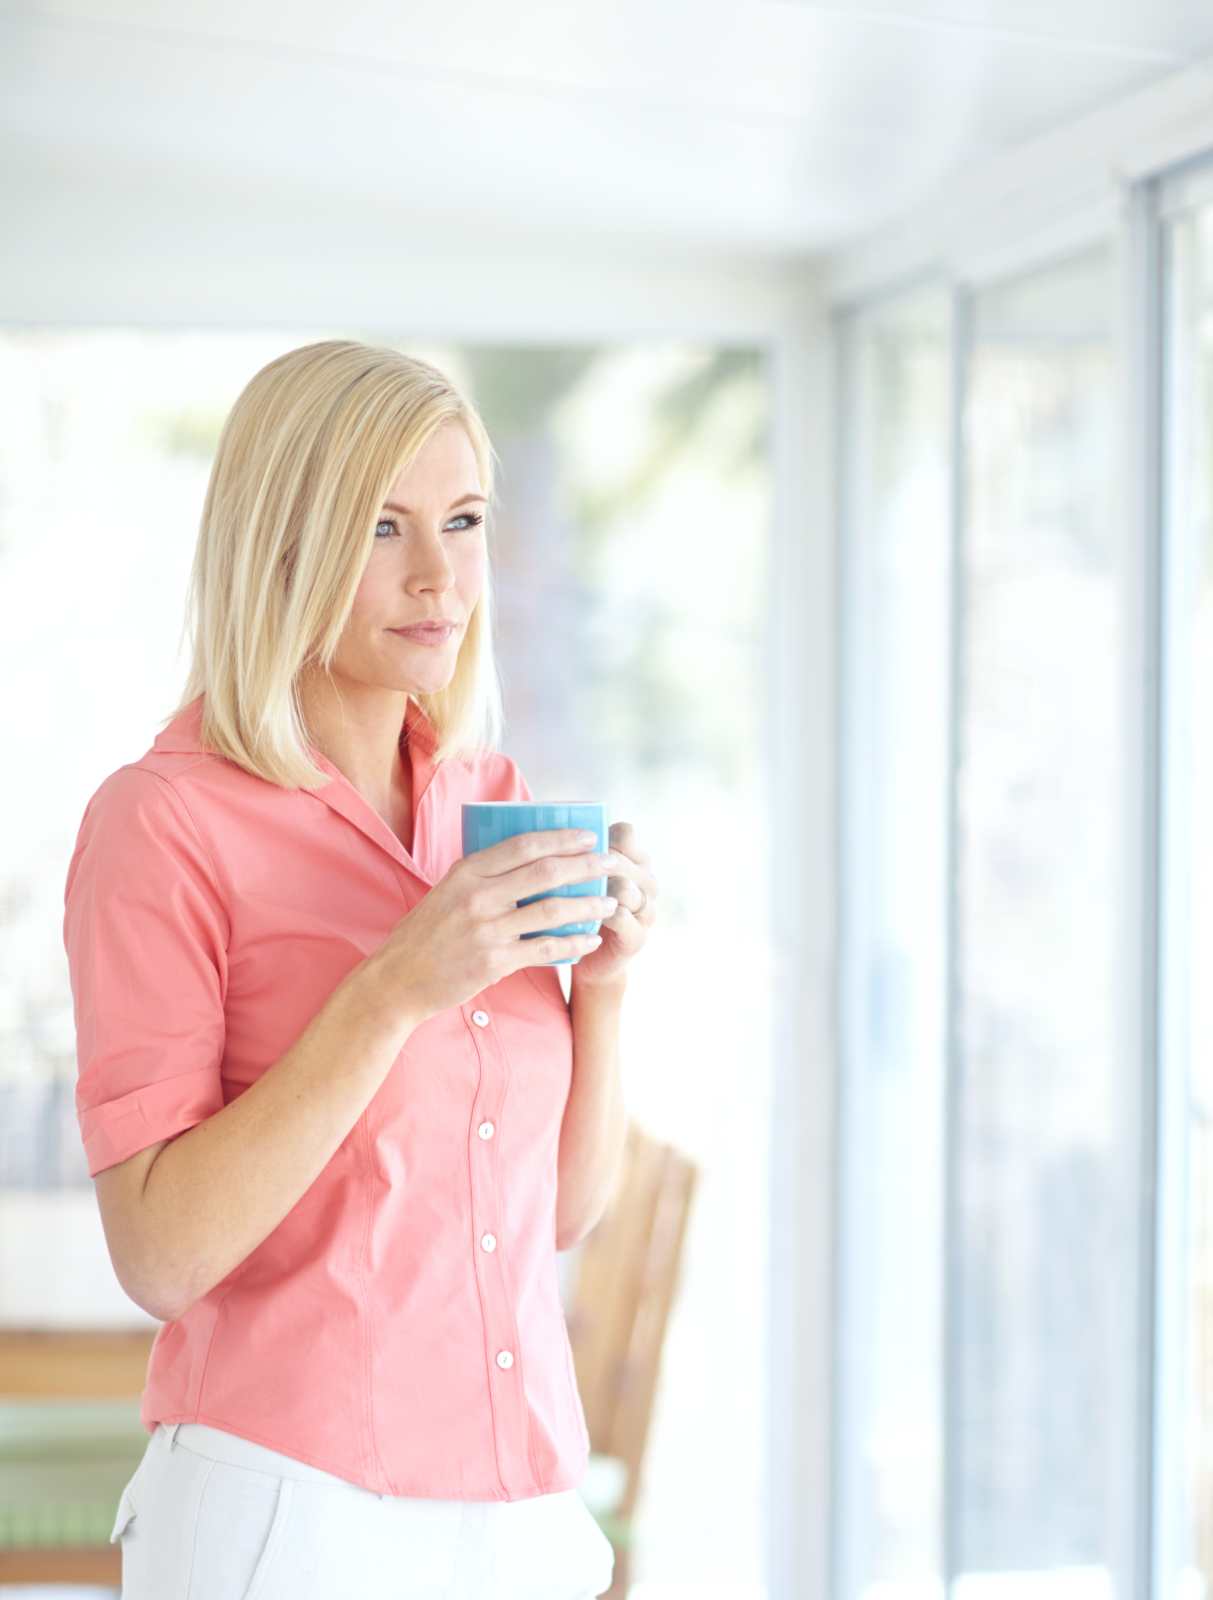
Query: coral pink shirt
[[402, 1325]]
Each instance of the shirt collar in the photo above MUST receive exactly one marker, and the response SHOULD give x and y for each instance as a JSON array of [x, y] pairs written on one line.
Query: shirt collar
[[183, 735]]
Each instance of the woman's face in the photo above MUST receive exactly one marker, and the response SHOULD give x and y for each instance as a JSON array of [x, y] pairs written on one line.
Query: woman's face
[[427, 562]]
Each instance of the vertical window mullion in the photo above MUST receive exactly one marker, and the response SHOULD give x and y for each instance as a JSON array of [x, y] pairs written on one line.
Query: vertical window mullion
[[961, 344], [1143, 354]]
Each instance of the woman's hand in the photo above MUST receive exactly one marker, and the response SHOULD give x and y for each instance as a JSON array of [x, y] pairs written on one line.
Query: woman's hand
[[465, 933], [626, 929]]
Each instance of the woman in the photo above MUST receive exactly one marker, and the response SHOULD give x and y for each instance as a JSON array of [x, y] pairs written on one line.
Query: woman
[[339, 1114]]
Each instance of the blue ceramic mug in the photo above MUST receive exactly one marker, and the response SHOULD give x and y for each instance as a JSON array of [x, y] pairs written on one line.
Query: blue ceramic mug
[[487, 822]]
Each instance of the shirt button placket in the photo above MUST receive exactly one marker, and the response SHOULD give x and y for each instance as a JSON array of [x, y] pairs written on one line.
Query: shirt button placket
[[511, 1417]]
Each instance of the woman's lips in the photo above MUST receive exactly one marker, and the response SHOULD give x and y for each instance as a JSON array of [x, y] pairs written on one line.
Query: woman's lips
[[425, 635]]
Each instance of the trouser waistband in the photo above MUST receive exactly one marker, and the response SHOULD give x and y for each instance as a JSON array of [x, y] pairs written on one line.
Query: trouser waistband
[[217, 1444]]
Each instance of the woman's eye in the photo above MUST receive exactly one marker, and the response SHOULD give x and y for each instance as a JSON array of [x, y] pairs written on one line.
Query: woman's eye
[[472, 518]]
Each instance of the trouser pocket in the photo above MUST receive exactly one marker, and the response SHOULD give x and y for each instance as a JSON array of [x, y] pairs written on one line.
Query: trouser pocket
[[239, 1534], [126, 1511], [194, 1529], [274, 1538]]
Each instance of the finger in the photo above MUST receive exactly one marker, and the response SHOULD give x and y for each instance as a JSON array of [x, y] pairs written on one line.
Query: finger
[[622, 837], [634, 887], [629, 900], [520, 848]]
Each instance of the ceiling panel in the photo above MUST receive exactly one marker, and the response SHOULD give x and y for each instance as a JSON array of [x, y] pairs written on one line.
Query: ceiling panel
[[1169, 30], [780, 127]]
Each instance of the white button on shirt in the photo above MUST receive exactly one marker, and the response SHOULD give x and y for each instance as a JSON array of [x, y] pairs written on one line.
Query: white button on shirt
[[480, 1018]]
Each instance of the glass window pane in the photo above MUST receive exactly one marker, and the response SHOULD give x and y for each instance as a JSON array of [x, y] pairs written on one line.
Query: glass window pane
[[1186, 1354], [1046, 1150], [896, 557]]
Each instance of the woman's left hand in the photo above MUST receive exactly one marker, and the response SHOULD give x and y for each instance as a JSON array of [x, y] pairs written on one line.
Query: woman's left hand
[[626, 929]]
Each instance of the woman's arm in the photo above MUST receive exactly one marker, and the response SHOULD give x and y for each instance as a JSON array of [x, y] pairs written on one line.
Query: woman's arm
[[217, 1190], [594, 1130]]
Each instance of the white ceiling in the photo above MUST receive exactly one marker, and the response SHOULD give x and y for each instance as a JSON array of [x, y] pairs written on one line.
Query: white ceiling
[[773, 128]]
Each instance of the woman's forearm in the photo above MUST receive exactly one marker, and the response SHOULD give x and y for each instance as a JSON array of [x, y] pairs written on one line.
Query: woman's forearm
[[218, 1189], [215, 1192], [594, 1129]]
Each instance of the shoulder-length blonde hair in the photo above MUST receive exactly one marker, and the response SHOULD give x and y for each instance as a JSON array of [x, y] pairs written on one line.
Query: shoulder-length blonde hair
[[306, 457]]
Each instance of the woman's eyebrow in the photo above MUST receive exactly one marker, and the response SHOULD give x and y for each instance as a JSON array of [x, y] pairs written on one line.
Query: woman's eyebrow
[[392, 505]]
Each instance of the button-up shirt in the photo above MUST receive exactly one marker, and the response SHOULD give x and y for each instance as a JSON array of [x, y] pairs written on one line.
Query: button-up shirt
[[402, 1325]]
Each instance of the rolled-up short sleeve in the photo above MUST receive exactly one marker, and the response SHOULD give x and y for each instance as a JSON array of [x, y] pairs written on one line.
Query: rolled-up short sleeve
[[146, 933]]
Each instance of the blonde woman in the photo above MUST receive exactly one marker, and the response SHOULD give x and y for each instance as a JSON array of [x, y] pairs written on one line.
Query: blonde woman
[[339, 1114]]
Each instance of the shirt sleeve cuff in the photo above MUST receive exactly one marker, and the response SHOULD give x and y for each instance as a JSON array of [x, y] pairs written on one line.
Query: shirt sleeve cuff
[[116, 1129]]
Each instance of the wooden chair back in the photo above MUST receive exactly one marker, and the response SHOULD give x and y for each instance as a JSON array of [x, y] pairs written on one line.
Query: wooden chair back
[[622, 1294]]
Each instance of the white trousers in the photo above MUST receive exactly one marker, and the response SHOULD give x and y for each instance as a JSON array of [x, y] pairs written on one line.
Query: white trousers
[[209, 1515]]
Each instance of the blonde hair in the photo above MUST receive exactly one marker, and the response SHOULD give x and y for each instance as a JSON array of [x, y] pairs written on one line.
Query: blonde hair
[[305, 459]]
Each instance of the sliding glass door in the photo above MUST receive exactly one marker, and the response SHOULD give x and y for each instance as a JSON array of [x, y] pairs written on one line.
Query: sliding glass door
[[990, 1149], [1041, 1381], [896, 563], [1185, 1393]]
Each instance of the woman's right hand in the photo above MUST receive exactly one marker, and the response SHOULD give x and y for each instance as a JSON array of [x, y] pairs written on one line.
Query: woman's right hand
[[465, 933]]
